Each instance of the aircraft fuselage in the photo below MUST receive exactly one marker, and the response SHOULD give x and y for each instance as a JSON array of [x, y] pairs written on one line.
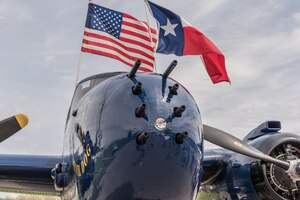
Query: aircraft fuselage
[[125, 144]]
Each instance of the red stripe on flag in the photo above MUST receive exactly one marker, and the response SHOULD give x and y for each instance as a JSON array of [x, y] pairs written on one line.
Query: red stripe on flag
[[136, 26], [140, 27], [135, 34], [130, 17], [118, 44], [133, 58], [107, 38], [154, 40], [135, 41], [94, 35], [102, 53], [153, 31]]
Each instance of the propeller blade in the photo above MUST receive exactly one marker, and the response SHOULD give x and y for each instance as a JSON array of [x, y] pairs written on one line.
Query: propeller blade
[[11, 125], [232, 143]]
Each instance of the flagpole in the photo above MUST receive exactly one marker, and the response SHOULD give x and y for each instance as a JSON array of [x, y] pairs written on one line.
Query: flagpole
[[79, 62], [146, 5], [78, 69]]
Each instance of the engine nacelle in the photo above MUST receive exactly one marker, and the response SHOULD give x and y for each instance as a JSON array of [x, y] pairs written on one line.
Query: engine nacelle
[[247, 178], [270, 181]]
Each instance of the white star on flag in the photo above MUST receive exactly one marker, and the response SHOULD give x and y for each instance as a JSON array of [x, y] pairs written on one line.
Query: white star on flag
[[169, 28]]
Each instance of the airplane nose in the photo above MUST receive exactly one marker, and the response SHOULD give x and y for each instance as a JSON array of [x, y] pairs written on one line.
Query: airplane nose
[[149, 142], [152, 167]]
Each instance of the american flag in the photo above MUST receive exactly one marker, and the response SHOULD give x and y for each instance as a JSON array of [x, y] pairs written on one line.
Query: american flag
[[120, 36]]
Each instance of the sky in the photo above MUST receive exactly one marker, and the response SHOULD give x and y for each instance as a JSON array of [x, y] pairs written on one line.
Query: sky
[[40, 50]]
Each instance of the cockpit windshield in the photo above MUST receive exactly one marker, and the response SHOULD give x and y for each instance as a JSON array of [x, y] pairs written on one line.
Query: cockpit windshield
[[87, 84]]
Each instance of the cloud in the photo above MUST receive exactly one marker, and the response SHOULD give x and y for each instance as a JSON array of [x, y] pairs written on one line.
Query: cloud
[[40, 50], [12, 13]]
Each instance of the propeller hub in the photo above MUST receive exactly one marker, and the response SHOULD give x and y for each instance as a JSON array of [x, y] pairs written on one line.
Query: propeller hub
[[294, 170], [298, 168]]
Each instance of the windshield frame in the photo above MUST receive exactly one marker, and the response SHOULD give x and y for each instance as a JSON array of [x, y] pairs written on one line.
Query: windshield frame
[[98, 78]]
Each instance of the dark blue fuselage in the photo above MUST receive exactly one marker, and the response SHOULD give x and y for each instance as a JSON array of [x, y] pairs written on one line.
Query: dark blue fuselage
[[106, 162]]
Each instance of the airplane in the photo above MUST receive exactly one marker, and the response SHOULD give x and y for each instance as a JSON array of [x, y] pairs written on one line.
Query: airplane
[[139, 136]]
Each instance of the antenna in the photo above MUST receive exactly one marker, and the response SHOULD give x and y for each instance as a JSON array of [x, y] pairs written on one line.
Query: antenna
[[134, 69], [170, 69], [78, 69]]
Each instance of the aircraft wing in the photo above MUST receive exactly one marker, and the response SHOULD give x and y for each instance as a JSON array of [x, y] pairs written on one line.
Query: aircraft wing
[[27, 174], [24, 173], [214, 165]]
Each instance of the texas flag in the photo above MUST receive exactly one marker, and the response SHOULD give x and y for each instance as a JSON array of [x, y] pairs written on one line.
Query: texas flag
[[177, 36]]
